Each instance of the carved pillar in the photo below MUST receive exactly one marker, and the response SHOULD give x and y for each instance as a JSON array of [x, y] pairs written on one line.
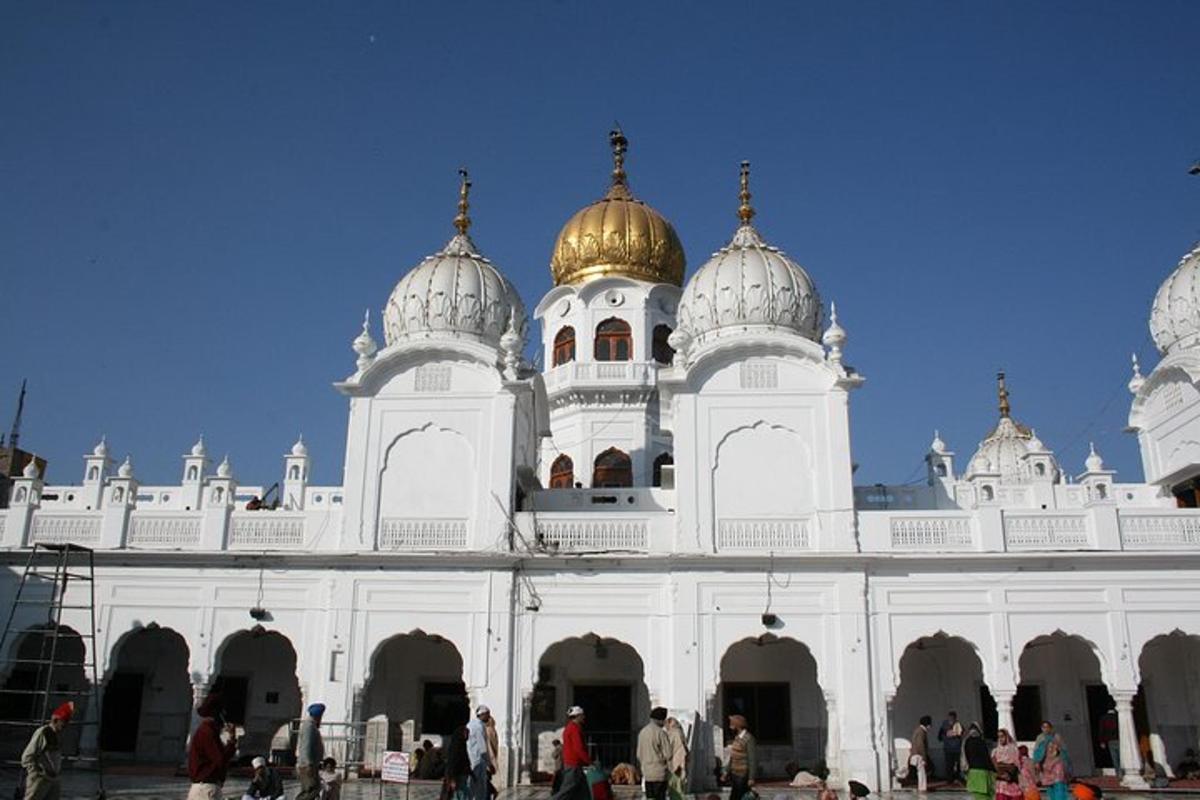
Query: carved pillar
[[1004, 709], [1131, 758]]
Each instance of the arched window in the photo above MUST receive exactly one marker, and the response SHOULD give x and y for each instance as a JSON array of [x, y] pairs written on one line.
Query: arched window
[[93, 473], [941, 470], [193, 473], [663, 460], [564, 346], [613, 470], [294, 473], [1040, 469], [614, 340], [562, 473], [663, 352], [988, 494]]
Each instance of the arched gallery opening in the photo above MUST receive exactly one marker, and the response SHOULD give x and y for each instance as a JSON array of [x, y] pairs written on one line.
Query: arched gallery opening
[[1169, 711], [415, 692], [603, 676], [1061, 683], [256, 677], [772, 682], [939, 674], [28, 676], [147, 700]]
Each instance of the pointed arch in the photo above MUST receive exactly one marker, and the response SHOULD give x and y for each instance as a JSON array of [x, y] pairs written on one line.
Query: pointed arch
[[612, 469], [564, 346], [613, 341], [562, 473]]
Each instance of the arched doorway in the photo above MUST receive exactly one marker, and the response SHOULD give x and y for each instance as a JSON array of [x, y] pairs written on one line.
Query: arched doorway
[[939, 674], [256, 677], [28, 675], [1061, 682], [772, 682], [1170, 695], [415, 690], [613, 469], [147, 701], [605, 677]]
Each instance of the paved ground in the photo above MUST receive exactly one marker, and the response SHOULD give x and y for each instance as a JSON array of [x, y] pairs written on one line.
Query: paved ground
[[136, 787]]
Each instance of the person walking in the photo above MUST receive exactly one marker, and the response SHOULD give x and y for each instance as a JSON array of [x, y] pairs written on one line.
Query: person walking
[[457, 782], [654, 755], [310, 752], [918, 755], [477, 752], [743, 758], [980, 778], [574, 784], [1050, 754], [265, 783], [208, 753], [677, 782], [950, 734], [42, 757], [1006, 759]]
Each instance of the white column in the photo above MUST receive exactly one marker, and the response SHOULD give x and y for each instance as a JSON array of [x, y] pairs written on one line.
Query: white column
[[1004, 707], [1131, 759]]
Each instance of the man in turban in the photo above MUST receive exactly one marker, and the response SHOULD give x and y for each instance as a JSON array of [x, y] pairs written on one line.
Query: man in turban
[[310, 752], [42, 758]]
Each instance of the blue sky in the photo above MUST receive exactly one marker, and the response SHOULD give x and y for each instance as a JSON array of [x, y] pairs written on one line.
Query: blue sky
[[200, 199]]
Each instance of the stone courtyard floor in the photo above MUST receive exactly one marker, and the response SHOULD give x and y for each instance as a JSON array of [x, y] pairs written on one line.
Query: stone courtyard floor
[[82, 786]]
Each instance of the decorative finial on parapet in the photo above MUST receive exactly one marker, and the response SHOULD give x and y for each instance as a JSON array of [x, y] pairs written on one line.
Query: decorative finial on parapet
[[745, 210], [463, 222], [363, 345], [1136, 382]]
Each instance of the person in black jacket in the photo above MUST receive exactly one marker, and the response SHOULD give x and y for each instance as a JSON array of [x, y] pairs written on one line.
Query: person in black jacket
[[980, 772]]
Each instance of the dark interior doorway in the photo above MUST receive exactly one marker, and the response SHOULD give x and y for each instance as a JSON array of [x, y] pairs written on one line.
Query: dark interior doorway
[[1027, 712], [989, 715], [609, 721], [121, 712], [445, 707], [1099, 701]]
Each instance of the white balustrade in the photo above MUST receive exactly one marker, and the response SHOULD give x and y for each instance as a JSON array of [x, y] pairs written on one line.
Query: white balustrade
[[266, 530], [163, 530], [762, 534], [1150, 531], [570, 536], [55, 528], [932, 533], [1046, 531], [422, 534]]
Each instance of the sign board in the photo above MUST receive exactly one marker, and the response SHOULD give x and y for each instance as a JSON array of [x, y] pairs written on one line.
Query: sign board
[[394, 768]]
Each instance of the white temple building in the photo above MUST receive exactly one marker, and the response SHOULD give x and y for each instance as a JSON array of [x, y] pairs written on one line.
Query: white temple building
[[662, 514]]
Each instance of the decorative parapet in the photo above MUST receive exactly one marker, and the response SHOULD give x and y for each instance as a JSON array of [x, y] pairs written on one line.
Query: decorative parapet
[[422, 534], [932, 533], [168, 531], [270, 530], [590, 534], [765, 535], [1159, 530], [61, 527], [1046, 531]]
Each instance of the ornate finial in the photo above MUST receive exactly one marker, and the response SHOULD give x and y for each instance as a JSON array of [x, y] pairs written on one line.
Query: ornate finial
[[363, 345], [1002, 393], [462, 221], [1136, 382], [616, 138], [745, 210]]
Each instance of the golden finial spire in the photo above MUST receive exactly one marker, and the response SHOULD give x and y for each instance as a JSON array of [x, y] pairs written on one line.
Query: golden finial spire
[[462, 221], [1002, 392], [616, 138], [745, 210]]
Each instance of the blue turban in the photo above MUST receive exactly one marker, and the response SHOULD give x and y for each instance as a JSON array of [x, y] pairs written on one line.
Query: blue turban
[[316, 710]]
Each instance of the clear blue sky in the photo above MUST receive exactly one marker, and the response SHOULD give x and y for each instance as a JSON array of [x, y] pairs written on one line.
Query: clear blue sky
[[200, 199]]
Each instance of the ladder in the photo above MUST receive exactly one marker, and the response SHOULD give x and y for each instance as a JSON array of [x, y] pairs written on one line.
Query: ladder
[[35, 679]]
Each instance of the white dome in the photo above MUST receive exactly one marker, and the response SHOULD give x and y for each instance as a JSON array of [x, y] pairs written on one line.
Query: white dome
[[1175, 315], [455, 292], [749, 282]]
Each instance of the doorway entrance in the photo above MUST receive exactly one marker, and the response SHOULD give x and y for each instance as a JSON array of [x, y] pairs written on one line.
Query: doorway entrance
[[609, 726], [121, 712]]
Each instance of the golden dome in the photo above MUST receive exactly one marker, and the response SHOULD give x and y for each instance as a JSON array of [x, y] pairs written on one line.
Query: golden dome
[[618, 235]]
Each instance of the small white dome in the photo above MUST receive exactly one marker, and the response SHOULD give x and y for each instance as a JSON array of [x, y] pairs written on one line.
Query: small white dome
[[126, 468], [101, 448], [749, 282], [1175, 315], [198, 448], [31, 469], [937, 445], [224, 470], [300, 448], [1093, 463]]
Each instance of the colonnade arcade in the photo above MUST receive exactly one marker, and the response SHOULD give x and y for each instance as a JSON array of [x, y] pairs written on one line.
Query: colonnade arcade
[[414, 688]]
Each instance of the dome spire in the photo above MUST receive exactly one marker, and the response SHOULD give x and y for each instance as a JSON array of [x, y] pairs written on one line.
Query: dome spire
[[619, 144], [462, 222], [745, 210], [1002, 394]]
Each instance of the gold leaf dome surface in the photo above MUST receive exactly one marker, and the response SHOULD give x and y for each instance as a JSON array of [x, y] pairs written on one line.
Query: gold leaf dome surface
[[618, 235]]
